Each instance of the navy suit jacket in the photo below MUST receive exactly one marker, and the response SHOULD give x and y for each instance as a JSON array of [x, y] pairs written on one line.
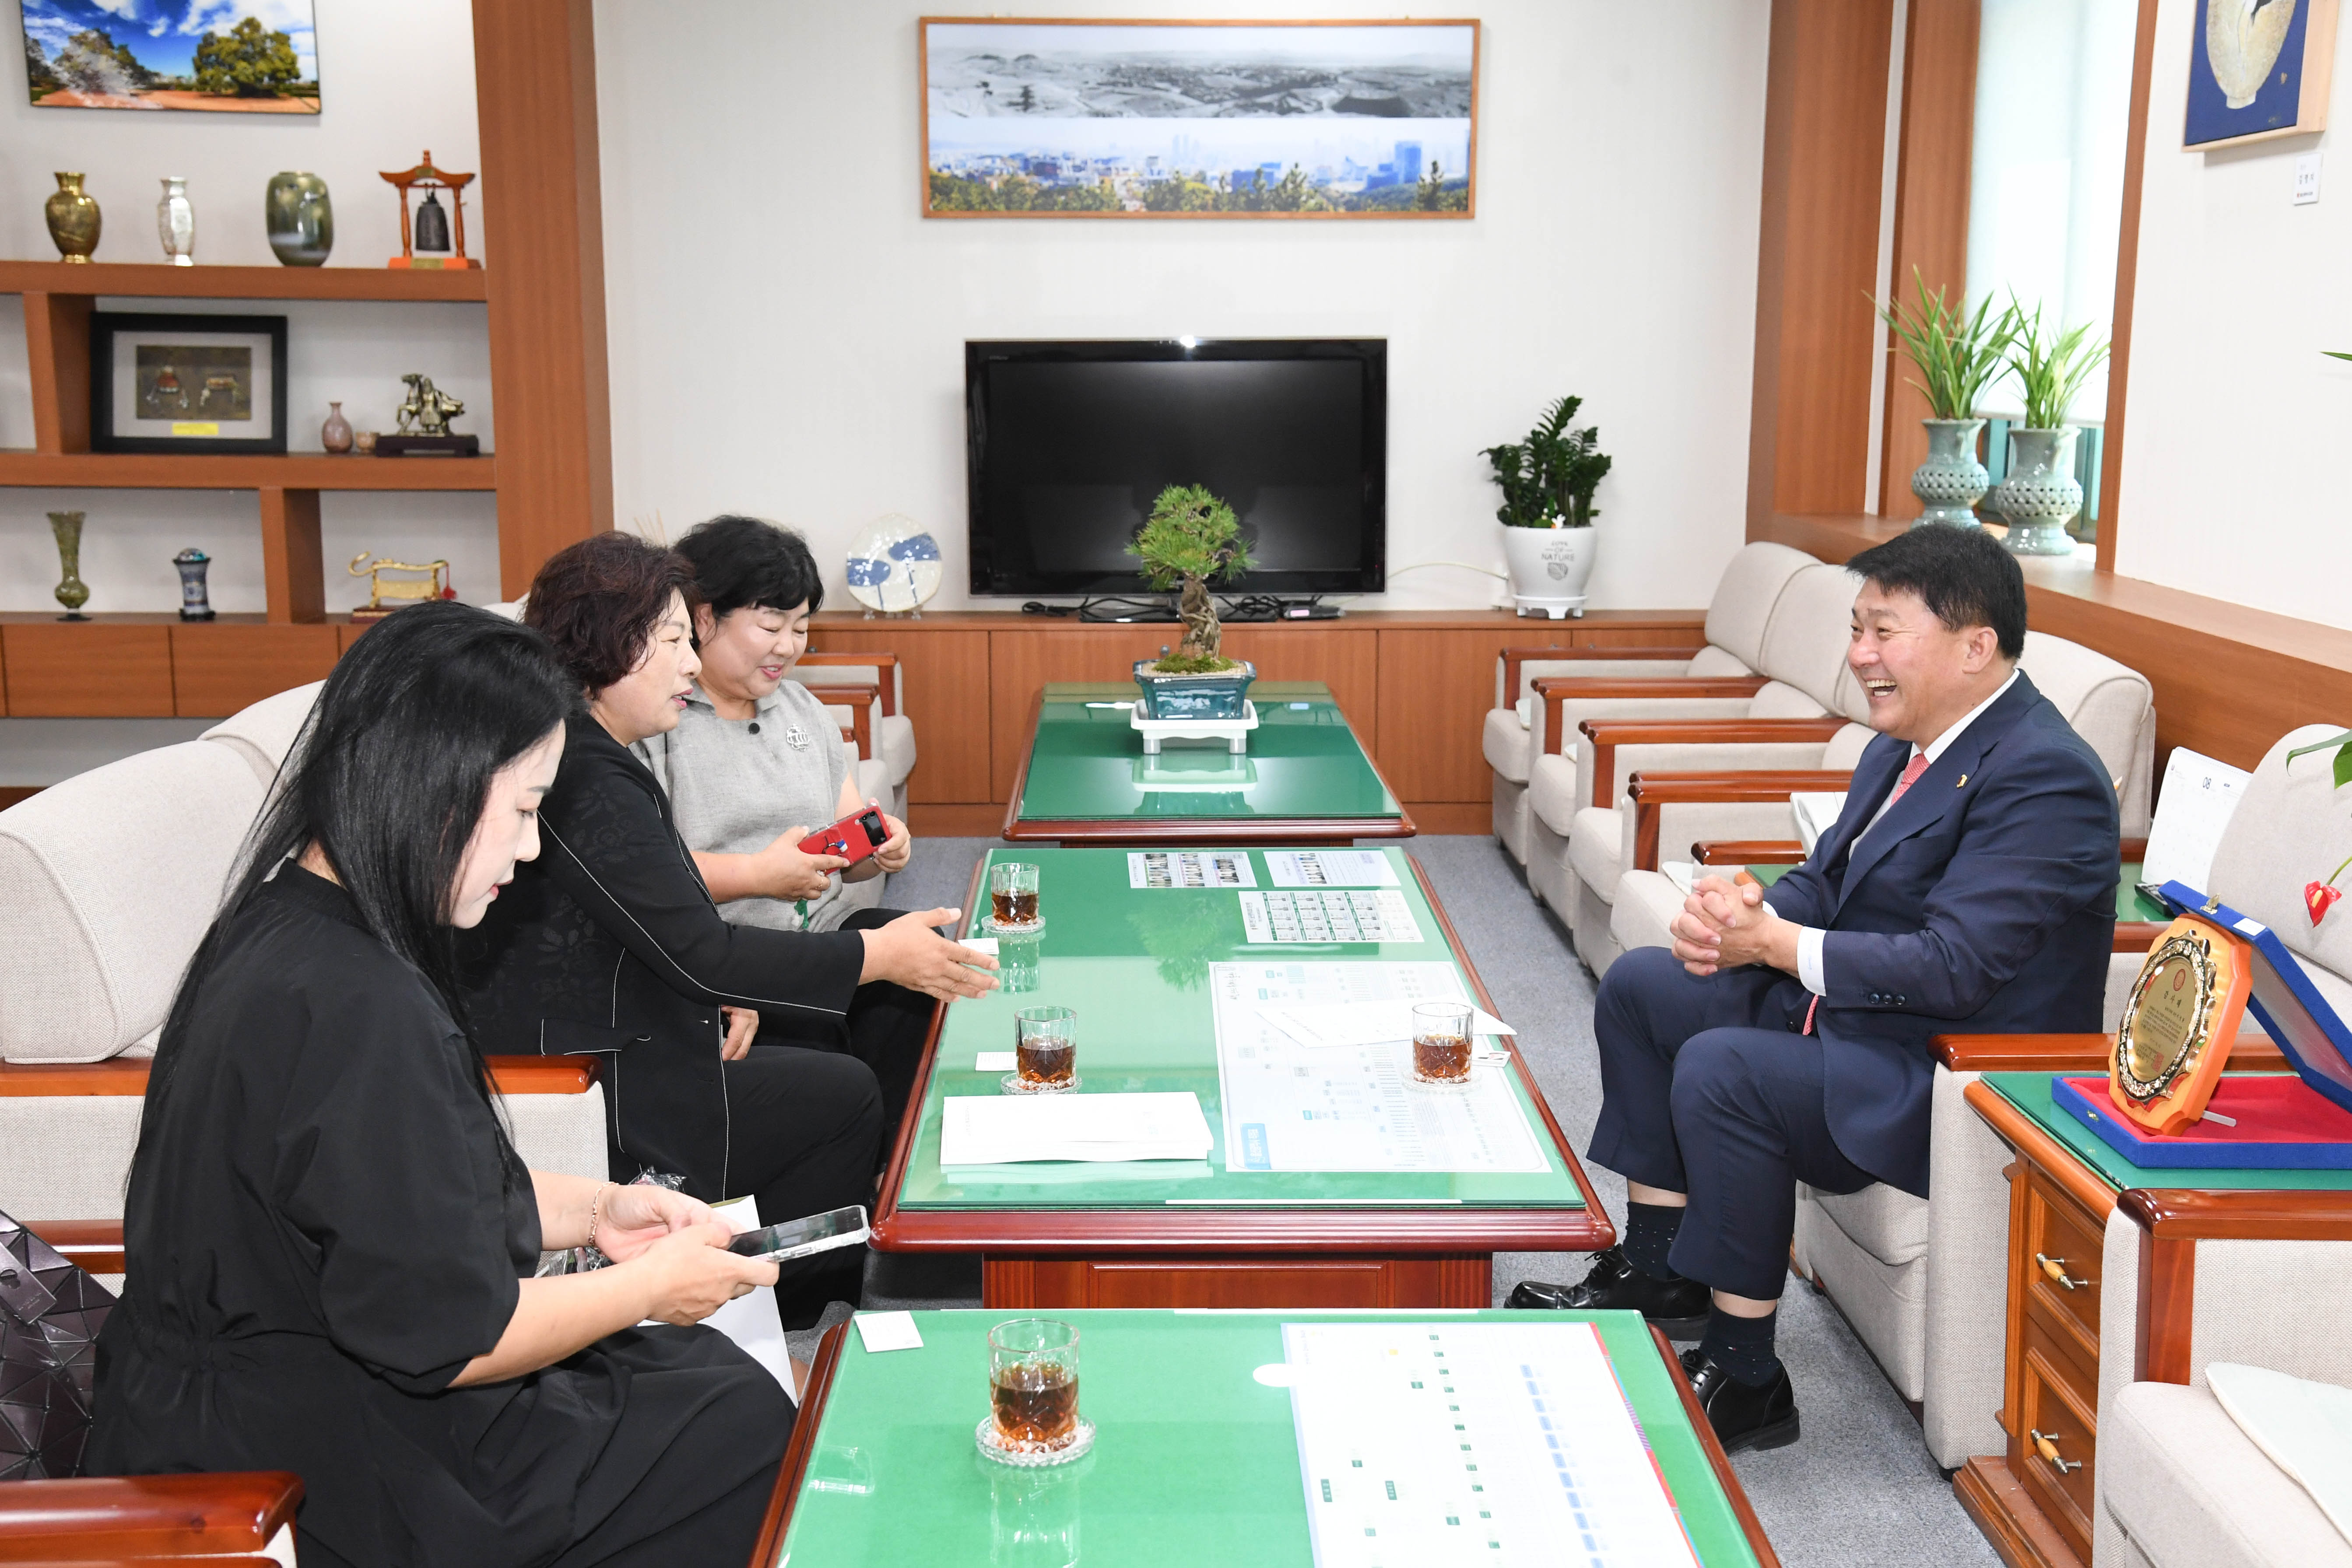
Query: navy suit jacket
[[1983, 902]]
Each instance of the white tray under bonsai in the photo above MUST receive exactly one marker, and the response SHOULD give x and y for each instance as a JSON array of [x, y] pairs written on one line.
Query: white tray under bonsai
[[1234, 732]]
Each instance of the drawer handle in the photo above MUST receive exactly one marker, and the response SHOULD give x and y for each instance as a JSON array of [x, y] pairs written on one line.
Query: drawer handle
[[2046, 1446], [2056, 1269]]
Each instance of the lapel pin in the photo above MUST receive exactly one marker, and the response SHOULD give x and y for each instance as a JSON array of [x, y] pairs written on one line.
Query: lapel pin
[[1963, 784]]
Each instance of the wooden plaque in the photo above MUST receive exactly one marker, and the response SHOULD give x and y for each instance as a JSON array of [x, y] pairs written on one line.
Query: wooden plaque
[[2177, 1024]]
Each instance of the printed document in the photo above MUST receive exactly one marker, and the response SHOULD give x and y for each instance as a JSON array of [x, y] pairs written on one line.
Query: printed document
[[2198, 797], [1189, 868], [1330, 869], [1378, 914], [1010, 1129]]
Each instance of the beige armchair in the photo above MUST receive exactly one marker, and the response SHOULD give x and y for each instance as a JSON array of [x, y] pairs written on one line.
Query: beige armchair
[[866, 695], [1515, 733]]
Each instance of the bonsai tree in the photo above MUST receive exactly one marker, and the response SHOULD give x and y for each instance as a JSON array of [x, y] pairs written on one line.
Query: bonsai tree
[[1958, 354], [1190, 539], [1549, 479]]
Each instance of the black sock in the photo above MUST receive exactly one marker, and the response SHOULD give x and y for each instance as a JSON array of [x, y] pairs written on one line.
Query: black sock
[[1650, 1235], [1741, 1346]]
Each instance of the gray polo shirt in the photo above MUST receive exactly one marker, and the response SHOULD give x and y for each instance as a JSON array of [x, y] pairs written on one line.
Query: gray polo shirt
[[735, 785]]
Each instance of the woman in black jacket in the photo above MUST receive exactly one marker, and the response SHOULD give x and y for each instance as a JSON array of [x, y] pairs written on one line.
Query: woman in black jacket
[[609, 944]]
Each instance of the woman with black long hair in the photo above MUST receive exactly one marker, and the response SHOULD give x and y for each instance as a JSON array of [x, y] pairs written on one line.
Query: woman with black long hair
[[329, 1236]]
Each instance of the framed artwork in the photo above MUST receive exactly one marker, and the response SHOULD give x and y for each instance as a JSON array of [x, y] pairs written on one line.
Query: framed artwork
[[201, 384], [244, 56], [2259, 69], [1162, 120]]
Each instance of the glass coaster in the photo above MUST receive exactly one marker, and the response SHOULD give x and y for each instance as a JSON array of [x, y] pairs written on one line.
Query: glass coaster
[[1031, 1456], [990, 926], [1447, 1085], [1012, 1083]]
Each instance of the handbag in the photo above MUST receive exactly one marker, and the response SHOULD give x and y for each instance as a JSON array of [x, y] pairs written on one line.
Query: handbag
[[50, 1312]]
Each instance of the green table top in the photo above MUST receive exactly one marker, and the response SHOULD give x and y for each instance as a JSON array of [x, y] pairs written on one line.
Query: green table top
[[1134, 963], [1195, 1463], [2030, 1092], [1087, 762], [2130, 903]]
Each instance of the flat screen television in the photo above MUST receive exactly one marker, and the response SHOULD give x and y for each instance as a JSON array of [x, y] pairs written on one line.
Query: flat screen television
[[1070, 443]]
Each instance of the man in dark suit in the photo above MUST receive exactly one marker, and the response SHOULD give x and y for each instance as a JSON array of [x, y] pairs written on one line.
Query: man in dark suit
[[1968, 885]]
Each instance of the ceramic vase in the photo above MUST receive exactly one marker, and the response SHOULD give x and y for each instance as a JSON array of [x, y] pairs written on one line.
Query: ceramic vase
[[2041, 491], [195, 603], [175, 222], [1549, 569], [73, 218], [335, 435], [299, 218], [1951, 481], [72, 592]]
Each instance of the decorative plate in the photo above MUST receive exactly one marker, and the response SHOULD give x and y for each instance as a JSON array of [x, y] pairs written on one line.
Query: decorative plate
[[894, 565]]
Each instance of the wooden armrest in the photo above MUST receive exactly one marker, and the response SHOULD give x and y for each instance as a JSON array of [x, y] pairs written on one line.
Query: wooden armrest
[[2137, 936], [2241, 1214], [179, 1516], [2072, 1053], [1608, 734], [1748, 852], [1650, 792], [1515, 660], [1555, 690], [128, 1076], [93, 1245], [543, 1075], [887, 663], [859, 701]]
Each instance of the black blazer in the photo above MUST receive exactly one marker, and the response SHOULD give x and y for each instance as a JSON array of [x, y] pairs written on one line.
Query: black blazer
[[1983, 902], [608, 944]]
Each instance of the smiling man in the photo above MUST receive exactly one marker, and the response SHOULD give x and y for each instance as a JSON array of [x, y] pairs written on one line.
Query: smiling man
[[1968, 885]]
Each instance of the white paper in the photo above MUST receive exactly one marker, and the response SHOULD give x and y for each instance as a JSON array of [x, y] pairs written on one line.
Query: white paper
[[1361, 1023], [751, 1320], [1290, 1107], [1189, 868], [1328, 915], [986, 944], [1330, 869], [1009, 1129], [992, 1061], [2198, 797], [1816, 812], [1505, 1445], [879, 1331]]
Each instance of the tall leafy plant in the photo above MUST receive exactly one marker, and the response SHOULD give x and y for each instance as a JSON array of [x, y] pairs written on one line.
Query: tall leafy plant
[[1190, 538], [1958, 353], [1549, 479], [2051, 366]]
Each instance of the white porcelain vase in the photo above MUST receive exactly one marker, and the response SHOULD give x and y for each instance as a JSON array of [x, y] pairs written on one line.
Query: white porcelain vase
[[1549, 568]]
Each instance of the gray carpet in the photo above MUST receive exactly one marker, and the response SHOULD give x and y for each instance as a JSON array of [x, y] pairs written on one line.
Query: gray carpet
[[1859, 1491]]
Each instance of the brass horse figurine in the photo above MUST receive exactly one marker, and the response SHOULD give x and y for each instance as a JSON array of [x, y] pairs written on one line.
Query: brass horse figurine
[[429, 406]]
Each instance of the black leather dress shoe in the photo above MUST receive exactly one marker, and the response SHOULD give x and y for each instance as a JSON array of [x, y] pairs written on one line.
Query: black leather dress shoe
[[1742, 1417], [1677, 1307]]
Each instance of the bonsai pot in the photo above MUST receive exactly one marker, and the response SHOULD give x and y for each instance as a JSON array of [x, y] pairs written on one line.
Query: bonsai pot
[[1549, 567], [1216, 695]]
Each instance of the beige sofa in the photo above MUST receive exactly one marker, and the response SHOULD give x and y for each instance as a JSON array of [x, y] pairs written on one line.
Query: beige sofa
[[1513, 736]]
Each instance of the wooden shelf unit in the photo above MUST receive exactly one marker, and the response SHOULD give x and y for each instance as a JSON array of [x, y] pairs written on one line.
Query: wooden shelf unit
[[295, 471], [141, 280]]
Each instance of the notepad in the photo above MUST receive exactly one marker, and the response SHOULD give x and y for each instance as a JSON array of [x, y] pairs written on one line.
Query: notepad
[[1360, 1023], [1011, 1130]]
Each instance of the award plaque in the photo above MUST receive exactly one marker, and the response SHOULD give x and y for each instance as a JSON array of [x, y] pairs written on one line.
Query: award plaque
[[2177, 1026]]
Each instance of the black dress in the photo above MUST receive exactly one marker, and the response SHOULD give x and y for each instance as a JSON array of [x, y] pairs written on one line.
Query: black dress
[[325, 1224]]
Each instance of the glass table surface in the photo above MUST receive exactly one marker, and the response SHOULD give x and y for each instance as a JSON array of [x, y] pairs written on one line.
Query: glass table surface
[[1134, 965], [1087, 762], [1195, 1463], [2030, 1092]]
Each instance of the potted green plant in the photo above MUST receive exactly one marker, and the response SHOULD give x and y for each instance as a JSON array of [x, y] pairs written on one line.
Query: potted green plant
[[1958, 354], [1190, 539], [2041, 492], [1548, 483]]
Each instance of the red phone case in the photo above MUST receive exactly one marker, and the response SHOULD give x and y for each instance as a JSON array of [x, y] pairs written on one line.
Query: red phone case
[[852, 838]]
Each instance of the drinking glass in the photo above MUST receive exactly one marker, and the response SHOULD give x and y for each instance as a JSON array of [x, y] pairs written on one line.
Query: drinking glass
[[1441, 1042], [1018, 955], [1045, 1051], [1012, 896], [1032, 1388]]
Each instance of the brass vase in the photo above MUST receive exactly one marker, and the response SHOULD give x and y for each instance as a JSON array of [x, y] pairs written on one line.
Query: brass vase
[[72, 592], [73, 218]]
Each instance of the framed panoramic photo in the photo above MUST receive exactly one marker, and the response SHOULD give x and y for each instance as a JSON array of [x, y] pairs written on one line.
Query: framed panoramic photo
[[2258, 69], [1149, 119], [242, 56], [201, 385]]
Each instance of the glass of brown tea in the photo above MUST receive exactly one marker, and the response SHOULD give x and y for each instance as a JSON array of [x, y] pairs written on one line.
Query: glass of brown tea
[[1012, 896], [1441, 1042], [1044, 1051], [1033, 1384]]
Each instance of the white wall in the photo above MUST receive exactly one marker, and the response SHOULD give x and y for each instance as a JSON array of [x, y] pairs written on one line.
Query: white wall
[[787, 331], [2233, 480], [394, 78]]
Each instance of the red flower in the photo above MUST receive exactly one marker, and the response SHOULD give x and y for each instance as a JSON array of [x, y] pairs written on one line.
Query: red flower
[[2317, 897]]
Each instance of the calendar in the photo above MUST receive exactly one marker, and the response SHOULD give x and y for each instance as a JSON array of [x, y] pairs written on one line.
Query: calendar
[[1328, 914]]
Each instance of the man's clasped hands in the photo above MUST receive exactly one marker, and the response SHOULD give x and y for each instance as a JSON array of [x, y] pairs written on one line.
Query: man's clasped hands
[[1725, 924]]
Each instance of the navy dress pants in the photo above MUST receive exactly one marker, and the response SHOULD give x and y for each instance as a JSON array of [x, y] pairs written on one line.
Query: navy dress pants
[[1708, 1089]]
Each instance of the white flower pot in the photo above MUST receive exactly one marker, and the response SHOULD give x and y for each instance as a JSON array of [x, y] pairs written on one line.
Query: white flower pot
[[1549, 567]]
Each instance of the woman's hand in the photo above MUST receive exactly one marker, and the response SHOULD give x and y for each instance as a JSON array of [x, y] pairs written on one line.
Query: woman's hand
[[742, 1024], [632, 1218], [783, 870], [910, 953], [690, 1274], [897, 849]]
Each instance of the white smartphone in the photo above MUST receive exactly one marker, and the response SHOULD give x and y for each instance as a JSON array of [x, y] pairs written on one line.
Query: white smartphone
[[801, 1237]]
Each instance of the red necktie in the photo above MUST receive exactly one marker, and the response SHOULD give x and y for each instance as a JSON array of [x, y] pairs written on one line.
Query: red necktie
[[1911, 771]]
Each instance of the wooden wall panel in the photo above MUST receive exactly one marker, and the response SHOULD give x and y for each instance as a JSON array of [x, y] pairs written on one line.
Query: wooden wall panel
[[217, 669], [294, 578], [1435, 690], [1347, 661], [945, 676], [1824, 167], [57, 349], [1024, 659], [535, 75], [89, 671], [1931, 210], [2111, 455]]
